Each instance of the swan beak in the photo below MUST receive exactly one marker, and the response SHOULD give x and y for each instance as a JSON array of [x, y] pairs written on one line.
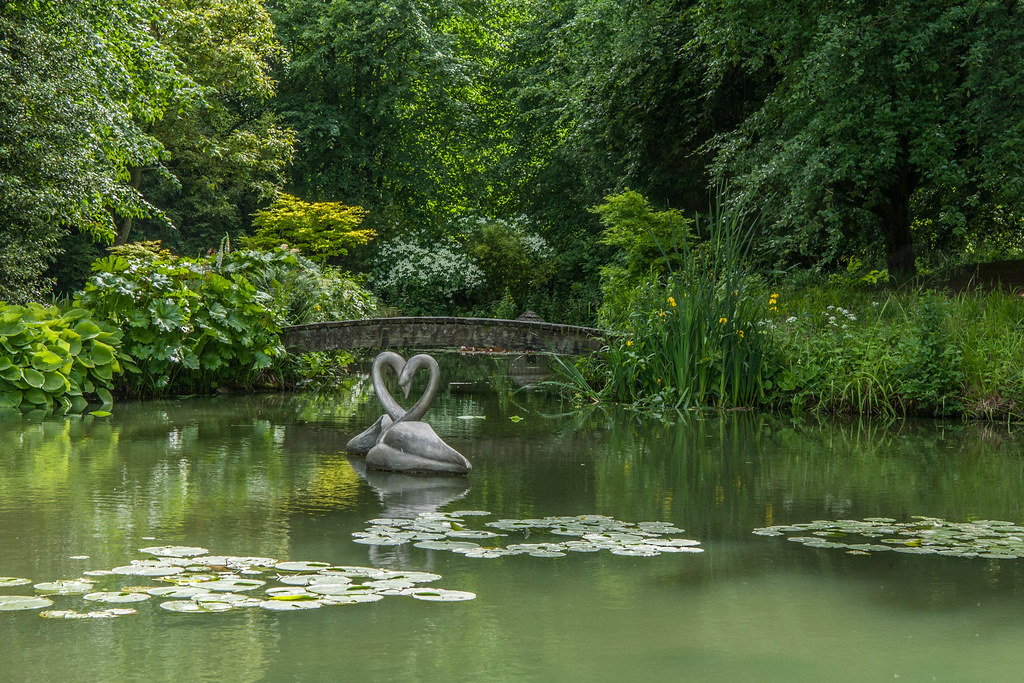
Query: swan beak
[[405, 389]]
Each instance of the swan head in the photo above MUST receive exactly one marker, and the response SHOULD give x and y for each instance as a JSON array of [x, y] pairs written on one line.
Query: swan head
[[412, 366]]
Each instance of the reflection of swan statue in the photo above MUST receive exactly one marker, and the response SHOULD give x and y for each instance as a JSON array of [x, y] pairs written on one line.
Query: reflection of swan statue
[[366, 440], [403, 442], [407, 495]]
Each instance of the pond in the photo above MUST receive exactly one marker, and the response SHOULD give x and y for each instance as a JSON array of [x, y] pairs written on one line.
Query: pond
[[266, 477]]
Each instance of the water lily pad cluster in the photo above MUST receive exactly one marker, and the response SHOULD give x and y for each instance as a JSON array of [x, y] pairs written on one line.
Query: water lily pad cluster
[[558, 535], [923, 535], [189, 580]]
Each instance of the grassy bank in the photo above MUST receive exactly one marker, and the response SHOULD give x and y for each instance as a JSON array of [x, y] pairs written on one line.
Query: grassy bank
[[826, 348]]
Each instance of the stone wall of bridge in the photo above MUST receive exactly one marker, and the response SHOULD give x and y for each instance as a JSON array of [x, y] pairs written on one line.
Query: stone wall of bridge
[[437, 333]]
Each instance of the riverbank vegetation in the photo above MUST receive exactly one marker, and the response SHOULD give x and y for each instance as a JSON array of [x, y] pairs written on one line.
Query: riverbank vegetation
[[766, 201]]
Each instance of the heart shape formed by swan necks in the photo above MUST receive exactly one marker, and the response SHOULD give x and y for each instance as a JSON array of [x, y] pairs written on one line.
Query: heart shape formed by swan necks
[[398, 441]]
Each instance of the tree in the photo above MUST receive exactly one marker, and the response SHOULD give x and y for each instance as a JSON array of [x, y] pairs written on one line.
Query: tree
[[225, 152], [318, 229], [80, 80], [873, 106]]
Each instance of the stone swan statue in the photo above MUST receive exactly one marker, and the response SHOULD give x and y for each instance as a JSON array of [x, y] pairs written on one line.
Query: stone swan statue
[[401, 442], [363, 442]]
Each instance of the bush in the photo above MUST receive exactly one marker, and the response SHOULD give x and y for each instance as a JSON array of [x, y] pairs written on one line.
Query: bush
[[52, 360], [441, 280], [317, 229], [188, 327], [515, 261], [650, 244], [299, 290]]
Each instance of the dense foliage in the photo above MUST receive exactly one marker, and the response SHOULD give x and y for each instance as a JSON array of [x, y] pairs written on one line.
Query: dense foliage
[[57, 360], [187, 326], [317, 229], [489, 156]]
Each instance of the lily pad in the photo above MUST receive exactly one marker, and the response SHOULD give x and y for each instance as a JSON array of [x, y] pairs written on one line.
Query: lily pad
[[148, 570], [6, 581], [65, 587], [301, 567], [454, 546], [229, 584], [290, 606], [97, 614], [12, 603], [993, 539], [191, 607], [439, 595], [177, 591], [116, 596], [174, 551]]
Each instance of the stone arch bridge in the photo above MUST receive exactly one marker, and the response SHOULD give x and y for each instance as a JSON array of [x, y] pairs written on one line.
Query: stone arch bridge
[[440, 333]]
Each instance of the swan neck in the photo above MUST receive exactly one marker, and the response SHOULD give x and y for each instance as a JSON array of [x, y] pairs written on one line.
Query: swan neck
[[391, 406], [419, 409]]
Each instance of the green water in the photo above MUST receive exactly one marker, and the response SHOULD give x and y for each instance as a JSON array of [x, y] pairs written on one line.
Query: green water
[[266, 476]]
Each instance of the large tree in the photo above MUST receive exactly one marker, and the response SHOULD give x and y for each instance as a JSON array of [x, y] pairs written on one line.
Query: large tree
[[79, 81], [225, 152], [873, 108]]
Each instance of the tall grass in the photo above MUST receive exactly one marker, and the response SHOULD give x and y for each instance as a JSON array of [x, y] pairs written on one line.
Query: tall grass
[[692, 337], [900, 353]]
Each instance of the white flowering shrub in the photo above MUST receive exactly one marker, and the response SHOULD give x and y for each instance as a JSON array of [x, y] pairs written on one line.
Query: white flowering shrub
[[439, 280]]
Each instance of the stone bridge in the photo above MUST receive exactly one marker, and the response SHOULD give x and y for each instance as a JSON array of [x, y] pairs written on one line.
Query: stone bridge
[[439, 333]]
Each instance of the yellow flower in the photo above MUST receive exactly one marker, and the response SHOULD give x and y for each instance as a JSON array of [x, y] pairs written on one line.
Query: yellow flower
[[740, 332], [671, 302], [661, 314], [629, 342], [723, 321], [773, 308]]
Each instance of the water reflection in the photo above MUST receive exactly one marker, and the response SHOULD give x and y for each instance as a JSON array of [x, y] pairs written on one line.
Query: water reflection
[[408, 495], [267, 475]]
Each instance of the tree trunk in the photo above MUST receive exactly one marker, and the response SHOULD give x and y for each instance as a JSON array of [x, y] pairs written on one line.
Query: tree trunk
[[895, 214], [125, 228]]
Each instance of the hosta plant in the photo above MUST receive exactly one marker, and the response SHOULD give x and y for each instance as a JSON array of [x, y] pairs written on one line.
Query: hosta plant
[[51, 360]]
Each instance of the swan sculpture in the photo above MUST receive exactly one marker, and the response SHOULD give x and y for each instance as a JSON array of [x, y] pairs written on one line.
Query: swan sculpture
[[404, 443], [367, 439]]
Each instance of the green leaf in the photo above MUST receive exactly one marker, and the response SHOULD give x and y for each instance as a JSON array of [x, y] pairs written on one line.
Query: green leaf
[[55, 382], [101, 354], [87, 329], [10, 399], [46, 360], [37, 396], [34, 378]]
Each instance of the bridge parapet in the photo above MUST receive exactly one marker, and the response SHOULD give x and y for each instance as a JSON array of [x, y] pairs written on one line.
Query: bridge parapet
[[439, 332]]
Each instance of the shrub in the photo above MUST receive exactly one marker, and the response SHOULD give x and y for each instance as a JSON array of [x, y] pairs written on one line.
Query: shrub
[[650, 244], [298, 290], [188, 327], [514, 259], [441, 280], [317, 229], [52, 360]]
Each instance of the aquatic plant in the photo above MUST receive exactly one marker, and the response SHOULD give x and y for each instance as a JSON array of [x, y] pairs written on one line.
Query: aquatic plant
[[991, 539], [200, 583], [450, 531]]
